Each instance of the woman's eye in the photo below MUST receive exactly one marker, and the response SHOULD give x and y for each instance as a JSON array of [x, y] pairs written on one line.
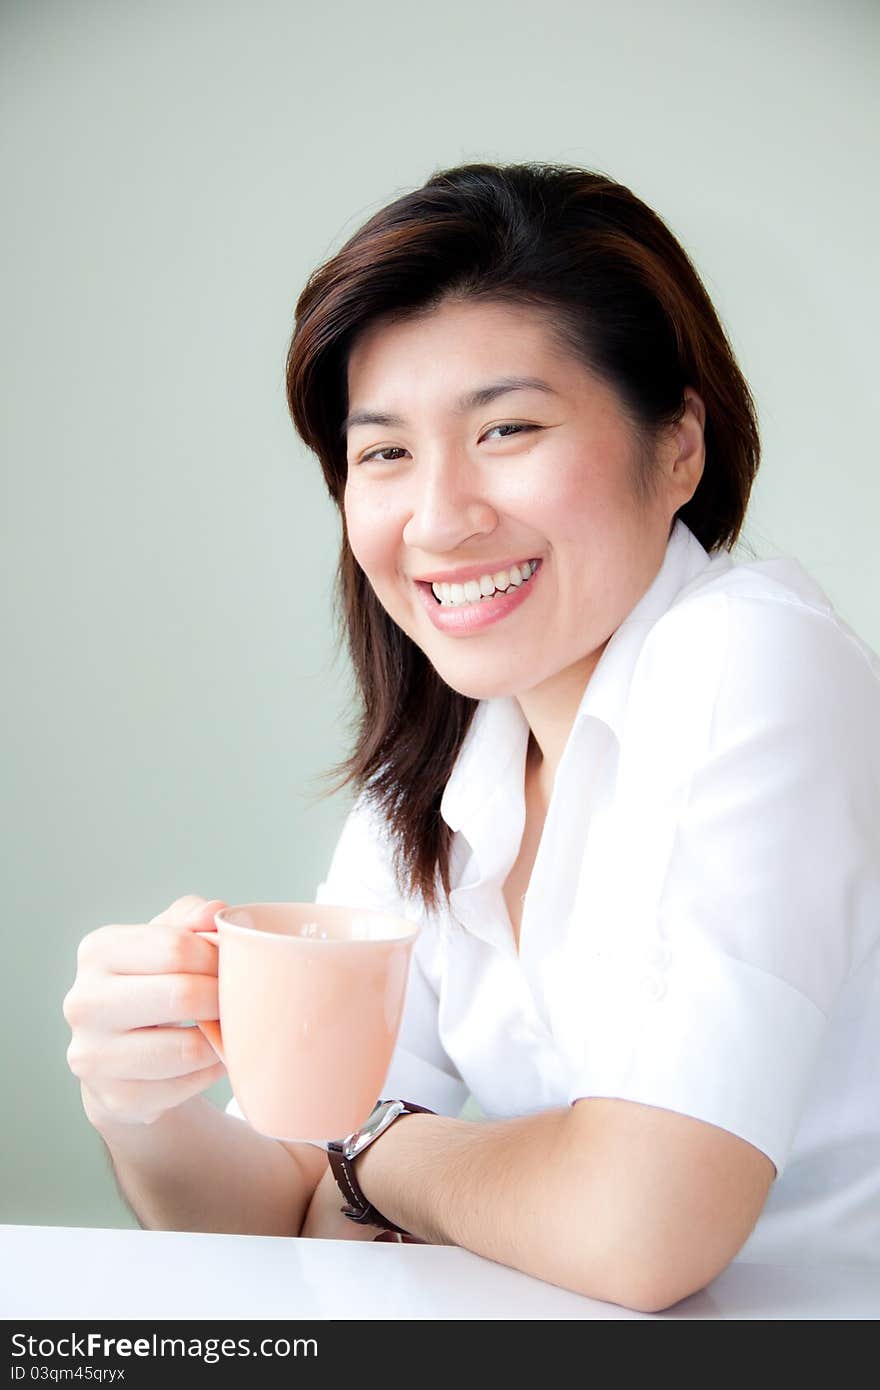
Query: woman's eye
[[394, 449], [508, 427], [377, 454]]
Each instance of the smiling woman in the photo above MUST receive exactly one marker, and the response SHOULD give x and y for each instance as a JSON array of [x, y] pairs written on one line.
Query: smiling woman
[[629, 787], [508, 365]]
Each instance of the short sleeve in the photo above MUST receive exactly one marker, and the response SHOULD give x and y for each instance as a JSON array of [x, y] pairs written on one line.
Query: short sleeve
[[360, 874], [712, 994]]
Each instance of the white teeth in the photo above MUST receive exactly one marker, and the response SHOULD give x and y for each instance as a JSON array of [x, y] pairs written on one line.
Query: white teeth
[[452, 595]]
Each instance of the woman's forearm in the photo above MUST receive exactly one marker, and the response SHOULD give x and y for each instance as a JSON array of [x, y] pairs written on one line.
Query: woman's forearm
[[324, 1219], [515, 1191], [198, 1169]]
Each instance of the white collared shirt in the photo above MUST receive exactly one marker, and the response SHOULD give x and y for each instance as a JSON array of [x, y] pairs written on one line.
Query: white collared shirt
[[701, 930]]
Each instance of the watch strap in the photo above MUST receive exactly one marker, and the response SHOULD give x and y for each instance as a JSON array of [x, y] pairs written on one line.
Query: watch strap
[[358, 1207]]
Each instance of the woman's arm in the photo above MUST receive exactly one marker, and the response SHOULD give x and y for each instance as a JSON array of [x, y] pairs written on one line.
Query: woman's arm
[[197, 1169], [615, 1200], [324, 1219]]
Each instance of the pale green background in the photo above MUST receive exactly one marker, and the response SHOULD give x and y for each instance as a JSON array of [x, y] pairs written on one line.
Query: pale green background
[[171, 174]]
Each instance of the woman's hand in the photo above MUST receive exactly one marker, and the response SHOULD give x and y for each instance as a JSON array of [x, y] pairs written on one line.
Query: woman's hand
[[133, 984]]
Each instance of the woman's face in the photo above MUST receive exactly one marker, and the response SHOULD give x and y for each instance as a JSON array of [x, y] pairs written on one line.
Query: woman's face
[[442, 485]]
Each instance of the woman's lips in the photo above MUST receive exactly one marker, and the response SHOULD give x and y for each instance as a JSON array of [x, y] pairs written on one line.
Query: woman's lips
[[465, 618]]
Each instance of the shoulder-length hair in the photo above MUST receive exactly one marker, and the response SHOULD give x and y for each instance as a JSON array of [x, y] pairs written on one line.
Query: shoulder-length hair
[[621, 295]]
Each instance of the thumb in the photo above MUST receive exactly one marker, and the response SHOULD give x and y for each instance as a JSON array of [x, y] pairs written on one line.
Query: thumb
[[189, 911]]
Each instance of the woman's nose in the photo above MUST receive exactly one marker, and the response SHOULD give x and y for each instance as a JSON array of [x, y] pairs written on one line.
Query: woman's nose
[[447, 507]]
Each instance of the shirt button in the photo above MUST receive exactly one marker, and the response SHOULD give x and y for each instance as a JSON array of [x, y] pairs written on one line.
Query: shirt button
[[654, 987]]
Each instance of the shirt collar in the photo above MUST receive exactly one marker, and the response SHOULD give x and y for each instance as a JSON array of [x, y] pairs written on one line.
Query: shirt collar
[[499, 732]]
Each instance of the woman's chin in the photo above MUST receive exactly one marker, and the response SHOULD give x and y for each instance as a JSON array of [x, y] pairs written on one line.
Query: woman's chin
[[481, 688]]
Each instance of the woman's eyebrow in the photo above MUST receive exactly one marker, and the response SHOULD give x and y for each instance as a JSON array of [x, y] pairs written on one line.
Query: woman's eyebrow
[[480, 395]]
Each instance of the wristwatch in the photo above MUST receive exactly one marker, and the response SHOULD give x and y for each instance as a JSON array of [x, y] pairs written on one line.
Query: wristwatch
[[341, 1154]]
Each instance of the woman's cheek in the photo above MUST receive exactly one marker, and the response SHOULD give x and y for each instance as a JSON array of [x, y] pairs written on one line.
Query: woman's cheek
[[361, 547], [368, 535]]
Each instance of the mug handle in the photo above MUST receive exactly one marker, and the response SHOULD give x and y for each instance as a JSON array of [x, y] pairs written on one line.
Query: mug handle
[[211, 1027]]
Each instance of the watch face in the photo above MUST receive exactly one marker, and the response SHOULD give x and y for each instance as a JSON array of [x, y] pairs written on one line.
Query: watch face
[[382, 1116]]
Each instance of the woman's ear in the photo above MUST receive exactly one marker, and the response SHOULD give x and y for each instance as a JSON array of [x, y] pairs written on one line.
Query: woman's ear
[[687, 456]]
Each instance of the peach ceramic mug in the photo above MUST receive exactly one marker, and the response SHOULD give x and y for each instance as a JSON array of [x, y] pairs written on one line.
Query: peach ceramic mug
[[310, 998]]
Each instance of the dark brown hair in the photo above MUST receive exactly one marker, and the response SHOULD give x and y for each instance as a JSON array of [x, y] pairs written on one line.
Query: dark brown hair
[[620, 295]]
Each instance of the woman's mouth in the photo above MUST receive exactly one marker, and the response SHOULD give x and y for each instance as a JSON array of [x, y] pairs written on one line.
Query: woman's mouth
[[458, 611]]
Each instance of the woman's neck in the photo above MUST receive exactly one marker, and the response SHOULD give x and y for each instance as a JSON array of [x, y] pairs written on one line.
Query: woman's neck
[[550, 709]]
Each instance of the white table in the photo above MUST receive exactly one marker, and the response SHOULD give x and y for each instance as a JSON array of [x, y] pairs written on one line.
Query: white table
[[73, 1273]]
